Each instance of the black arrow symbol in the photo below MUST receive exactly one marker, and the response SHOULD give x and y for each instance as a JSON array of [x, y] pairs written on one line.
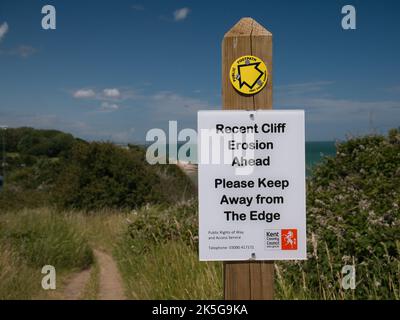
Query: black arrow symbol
[[244, 82]]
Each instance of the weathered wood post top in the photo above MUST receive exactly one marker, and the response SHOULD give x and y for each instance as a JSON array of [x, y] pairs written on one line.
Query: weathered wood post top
[[247, 37]]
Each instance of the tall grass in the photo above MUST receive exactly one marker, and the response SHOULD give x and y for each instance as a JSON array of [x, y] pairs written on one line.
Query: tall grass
[[17, 279], [320, 276], [169, 271], [102, 228], [43, 237], [91, 289], [31, 239], [158, 258]]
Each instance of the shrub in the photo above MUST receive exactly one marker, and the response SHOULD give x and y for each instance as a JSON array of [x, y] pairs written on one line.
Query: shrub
[[353, 217], [101, 175], [154, 225], [28, 141]]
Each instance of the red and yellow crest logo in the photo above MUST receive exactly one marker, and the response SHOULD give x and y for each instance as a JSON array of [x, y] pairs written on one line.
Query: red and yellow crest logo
[[289, 239]]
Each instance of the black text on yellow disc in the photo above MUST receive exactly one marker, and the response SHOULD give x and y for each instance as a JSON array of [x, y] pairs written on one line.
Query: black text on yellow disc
[[248, 75]]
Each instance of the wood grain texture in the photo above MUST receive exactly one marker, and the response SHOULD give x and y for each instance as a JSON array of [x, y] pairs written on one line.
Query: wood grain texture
[[247, 280]]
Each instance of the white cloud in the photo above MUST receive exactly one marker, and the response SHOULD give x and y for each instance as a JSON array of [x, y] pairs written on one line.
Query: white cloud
[[108, 107], [181, 14], [112, 93], [23, 51], [84, 93], [107, 98], [3, 30]]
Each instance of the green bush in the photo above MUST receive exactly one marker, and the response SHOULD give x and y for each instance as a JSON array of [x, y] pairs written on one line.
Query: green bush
[[353, 217], [30, 186], [158, 224], [101, 175], [34, 142], [56, 168]]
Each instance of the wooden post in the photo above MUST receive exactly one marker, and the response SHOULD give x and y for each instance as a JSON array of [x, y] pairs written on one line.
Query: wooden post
[[247, 280]]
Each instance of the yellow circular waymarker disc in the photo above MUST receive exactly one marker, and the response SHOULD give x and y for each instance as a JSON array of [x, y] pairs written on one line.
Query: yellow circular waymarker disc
[[248, 74]]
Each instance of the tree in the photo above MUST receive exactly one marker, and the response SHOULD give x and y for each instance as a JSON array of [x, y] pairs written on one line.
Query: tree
[[100, 175]]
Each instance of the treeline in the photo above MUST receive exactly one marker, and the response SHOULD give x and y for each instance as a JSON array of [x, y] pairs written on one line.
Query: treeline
[[34, 142], [49, 167]]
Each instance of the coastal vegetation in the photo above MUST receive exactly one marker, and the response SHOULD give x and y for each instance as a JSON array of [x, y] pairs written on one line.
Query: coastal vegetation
[[64, 198]]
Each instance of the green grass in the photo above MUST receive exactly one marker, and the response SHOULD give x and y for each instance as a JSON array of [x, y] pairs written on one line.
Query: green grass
[[92, 287], [31, 239], [102, 228], [376, 278], [165, 266], [12, 154], [45, 237], [17, 279], [160, 248], [169, 271], [156, 251]]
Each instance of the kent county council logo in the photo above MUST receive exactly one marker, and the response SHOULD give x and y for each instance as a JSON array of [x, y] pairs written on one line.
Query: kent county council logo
[[284, 239], [289, 239], [248, 75]]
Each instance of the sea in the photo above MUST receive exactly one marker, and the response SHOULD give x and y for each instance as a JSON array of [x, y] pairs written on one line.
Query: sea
[[315, 152]]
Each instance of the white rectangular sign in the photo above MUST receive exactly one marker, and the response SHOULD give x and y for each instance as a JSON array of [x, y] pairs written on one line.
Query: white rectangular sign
[[251, 185]]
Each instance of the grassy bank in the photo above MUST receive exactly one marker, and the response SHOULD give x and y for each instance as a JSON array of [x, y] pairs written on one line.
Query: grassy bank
[[169, 271], [31, 239], [156, 250], [158, 257]]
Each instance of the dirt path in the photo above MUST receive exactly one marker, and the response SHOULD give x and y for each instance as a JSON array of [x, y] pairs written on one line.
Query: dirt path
[[110, 283], [110, 280], [76, 285]]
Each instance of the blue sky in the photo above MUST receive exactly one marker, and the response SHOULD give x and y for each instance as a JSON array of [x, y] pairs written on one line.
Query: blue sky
[[114, 69]]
